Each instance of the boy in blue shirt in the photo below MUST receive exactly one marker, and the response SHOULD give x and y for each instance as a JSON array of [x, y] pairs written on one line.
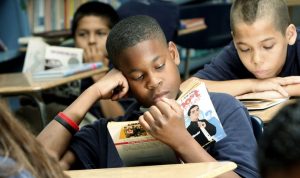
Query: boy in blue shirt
[[263, 60], [146, 67]]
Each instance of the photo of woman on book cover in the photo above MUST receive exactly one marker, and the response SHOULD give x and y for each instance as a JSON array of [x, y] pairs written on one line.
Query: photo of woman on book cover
[[202, 130]]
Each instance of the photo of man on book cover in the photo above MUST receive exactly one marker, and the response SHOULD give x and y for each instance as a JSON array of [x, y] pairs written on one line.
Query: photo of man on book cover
[[199, 127]]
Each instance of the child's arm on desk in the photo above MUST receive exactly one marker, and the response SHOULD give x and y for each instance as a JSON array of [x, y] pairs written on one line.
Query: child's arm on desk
[[165, 122], [274, 87], [56, 138]]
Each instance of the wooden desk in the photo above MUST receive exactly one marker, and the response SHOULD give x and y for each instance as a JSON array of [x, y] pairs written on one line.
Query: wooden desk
[[23, 84], [191, 170], [267, 114], [293, 2]]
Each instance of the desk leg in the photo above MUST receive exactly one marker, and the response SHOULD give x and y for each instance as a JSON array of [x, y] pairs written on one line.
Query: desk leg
[[187, 64], [37, 97]]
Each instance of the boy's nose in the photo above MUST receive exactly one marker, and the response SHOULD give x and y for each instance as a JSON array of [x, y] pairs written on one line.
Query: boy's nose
[[256, 59], [154, 83], [92, 39]]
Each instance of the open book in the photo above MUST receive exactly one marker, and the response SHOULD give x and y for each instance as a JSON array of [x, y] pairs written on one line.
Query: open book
[[40, 56], [136, 147], [260, 104]]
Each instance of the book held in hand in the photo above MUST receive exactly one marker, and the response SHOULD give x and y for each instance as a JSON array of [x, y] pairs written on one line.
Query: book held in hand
[[200, 116], [137, 147], [65, 70]]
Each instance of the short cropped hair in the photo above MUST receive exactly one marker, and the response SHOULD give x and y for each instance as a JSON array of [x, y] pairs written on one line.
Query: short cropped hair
[[279, 147], [95, 8], [189, 111], [248, 11], [131, 31]]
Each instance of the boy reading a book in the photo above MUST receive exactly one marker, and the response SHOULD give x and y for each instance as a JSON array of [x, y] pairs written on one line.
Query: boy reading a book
[[146, 67], [263, 60], [278, 150]]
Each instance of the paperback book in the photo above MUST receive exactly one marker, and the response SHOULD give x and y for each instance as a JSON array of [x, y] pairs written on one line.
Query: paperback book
[[137, 147]]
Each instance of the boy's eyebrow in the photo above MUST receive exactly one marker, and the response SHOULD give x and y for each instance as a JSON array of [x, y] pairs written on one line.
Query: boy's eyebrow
[[267, 39], [152, 61]]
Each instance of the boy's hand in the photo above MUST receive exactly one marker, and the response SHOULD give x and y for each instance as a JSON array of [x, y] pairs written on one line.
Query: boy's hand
[[262, 95], [93, 54], [275, 84], [112, 86], [164, 121]]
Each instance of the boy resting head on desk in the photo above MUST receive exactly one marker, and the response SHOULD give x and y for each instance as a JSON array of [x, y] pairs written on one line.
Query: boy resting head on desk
[[278, 150], [146, 67], [263, 60]]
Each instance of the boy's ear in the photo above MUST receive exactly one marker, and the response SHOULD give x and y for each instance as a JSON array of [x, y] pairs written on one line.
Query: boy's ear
[[291, 34], [174, 52]]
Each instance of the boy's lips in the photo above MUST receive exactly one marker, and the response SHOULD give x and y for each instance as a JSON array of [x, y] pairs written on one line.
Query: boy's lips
[[261, 72], [158, 96]]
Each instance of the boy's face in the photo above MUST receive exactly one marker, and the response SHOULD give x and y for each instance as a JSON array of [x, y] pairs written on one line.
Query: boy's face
[[151, 70], [261, 47], [91, 33]]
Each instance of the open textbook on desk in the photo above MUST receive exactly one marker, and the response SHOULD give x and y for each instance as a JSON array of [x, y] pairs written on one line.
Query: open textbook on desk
[[137, 147], [41, 56], [261, 104]]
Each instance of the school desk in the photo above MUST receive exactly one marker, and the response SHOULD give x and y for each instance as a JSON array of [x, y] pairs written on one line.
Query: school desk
[[14, 84], [189, 170], [293, 2], [266, 115]]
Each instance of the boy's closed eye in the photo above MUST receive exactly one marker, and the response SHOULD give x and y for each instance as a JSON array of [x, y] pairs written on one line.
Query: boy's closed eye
[[101, 33], [244, 49], [160, 66]]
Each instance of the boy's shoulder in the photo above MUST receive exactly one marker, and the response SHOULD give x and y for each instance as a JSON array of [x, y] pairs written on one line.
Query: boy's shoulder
[[226, 105]]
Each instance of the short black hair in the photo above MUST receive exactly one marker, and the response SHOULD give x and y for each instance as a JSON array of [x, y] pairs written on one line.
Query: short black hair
[[193, 106], [131, 31], [248, 11], [279, 146], [95, 8]]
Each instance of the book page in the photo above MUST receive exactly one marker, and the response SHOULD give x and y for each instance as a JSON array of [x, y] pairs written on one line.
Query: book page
[[136, 147], [35, 56], [57, 56]]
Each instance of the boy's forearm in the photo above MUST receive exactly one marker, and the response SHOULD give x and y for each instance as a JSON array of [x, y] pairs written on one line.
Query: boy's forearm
[[232, 87], [55, 137], [293, 90]]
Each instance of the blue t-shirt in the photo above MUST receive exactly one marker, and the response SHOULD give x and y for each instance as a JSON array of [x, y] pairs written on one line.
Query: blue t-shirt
[[94, 147], [228, 66]]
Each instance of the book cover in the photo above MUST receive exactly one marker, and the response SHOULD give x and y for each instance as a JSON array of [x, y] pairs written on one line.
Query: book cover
[[65, 71], [136, 147], [200, 116]]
